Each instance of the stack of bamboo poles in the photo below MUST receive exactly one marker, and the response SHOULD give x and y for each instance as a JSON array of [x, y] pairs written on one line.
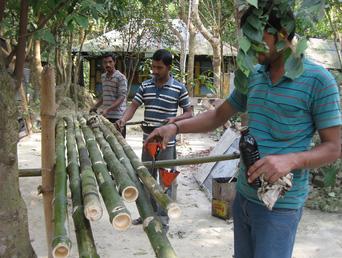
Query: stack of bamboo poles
[[99, 162]]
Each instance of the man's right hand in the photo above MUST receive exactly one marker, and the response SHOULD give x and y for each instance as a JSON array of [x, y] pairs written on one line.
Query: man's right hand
[[119, 124], [93, 110], [162, 135]]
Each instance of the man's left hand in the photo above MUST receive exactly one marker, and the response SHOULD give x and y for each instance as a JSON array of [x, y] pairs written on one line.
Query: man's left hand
[[171, 120], [104, 111], [272, 167]]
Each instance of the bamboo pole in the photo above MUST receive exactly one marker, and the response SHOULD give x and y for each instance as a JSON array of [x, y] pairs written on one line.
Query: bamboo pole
[[61, 243], [190, 161], [115, 139], [48, 114], [84, 236], [91, 198], [118, 214], [151, 224], [127, 188], [158, 163]]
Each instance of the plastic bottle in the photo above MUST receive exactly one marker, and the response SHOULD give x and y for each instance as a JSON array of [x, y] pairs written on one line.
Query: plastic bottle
[[249, 152]]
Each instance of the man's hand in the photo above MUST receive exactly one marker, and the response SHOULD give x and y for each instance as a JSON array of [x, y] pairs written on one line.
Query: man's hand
[[272, 167], [162, 134], [119, 124], [104, 111], [171, 120], [93, 110]]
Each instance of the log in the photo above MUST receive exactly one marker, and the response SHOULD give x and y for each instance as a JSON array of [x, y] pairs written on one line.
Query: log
[[84, 235], [115, 139], [91, 198], [127, 188], [61, 243], [119, 216], [48, 116]]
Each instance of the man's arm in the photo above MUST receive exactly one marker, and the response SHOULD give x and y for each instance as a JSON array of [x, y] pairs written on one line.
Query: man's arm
[[275, 166], [98, 104], [130, 111], [116, 103], [204, 122], [187, 113]]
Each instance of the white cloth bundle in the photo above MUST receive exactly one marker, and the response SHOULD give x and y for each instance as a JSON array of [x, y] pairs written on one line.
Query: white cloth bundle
[[269, 193]]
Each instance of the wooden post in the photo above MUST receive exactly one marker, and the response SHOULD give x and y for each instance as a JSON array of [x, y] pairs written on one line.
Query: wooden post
[[48, 117]]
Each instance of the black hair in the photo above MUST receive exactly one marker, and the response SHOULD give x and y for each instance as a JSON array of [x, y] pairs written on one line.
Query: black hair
[[163, 55], [274, 21], [113, 56]]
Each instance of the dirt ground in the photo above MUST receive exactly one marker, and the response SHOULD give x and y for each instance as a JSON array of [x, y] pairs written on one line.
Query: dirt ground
[[195, 234]]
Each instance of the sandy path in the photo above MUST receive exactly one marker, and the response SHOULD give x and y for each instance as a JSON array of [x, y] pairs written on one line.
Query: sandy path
[[195, 234]]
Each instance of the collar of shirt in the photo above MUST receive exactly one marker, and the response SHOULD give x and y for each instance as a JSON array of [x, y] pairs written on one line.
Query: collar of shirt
[[110, 76], [168, 83], [264, 69]]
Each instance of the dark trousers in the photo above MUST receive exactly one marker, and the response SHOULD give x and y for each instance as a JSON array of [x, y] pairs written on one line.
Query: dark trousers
[[123, 129]]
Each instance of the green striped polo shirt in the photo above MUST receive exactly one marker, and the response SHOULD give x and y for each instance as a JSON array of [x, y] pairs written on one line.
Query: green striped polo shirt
[[283, 118]]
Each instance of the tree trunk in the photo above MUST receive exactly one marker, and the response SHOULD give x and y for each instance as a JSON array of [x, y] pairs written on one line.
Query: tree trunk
[[217, 66], [191, 60], [14, 234], [36, 70], [215, 42], [20, 63], [2, 10]]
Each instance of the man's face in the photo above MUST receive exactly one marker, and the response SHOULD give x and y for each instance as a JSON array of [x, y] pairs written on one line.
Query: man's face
[[160, 71], [108, 64], [268, 57]]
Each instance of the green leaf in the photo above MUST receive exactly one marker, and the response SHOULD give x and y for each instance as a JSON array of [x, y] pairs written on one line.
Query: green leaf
[[330, 175], [82, 21], [272, 30], [301, 46], [241, 82], [280, 45], [294, 67], [45, 35], [252, 33], [253, 2], [244, 63], [260, 47], [244, 44]]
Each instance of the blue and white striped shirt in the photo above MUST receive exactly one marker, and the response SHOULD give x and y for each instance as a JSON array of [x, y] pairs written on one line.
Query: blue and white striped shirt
[[162, 102]]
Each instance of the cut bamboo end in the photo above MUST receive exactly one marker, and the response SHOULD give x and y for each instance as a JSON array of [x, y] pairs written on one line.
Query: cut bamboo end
[[130, 194], [122, 221], [61, 250], [93, 212], [173, 211]]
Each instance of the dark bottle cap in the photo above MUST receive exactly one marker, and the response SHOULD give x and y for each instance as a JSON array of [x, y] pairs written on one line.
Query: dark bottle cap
[[244, 130]]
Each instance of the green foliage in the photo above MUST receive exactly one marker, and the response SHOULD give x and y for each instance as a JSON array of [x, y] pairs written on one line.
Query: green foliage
[[251, 39]]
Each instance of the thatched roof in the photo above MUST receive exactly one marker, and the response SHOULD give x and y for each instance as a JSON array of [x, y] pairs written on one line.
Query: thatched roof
[[114, 41]]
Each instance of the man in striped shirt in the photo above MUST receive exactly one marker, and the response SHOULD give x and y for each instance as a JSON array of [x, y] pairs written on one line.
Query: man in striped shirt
[[161, 96], [283, 115], [114, 92]]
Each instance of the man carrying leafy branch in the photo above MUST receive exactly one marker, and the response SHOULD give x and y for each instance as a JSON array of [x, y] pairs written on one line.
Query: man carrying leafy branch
[[287, 98]]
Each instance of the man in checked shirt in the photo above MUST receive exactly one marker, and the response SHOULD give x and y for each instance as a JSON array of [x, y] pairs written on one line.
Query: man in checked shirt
[[114, 92]]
